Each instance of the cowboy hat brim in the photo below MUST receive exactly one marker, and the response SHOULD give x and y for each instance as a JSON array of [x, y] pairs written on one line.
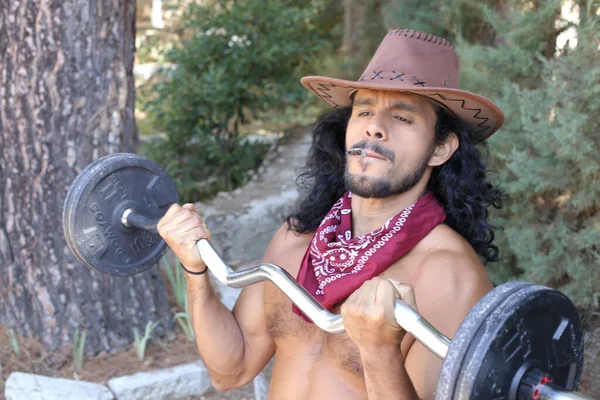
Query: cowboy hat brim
[[479, 113]]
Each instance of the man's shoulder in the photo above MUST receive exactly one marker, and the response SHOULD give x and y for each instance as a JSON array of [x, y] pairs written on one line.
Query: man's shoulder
[[450, 254], [287, 246], [287, 238], [445, 263]]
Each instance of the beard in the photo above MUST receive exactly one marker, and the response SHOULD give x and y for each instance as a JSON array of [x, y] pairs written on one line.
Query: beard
[[385, 186]]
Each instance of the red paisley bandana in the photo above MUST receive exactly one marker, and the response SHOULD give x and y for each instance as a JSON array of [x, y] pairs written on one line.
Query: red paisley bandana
[[336, 264]]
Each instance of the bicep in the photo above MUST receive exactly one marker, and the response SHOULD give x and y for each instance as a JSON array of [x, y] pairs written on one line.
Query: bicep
[[250, 311], [444, 300]]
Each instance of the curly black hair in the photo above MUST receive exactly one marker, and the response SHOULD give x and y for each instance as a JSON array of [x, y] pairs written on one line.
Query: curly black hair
[[460, 185]]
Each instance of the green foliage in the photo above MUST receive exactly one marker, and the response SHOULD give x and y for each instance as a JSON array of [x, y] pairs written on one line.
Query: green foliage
[[546, 153], [185, 322], [14, 343], [78, 349], [239, 59], [176, 281], [176, 278], [141, 342]]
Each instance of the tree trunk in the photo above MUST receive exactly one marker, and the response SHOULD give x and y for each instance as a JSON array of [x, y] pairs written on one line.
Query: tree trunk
[[363, 31], [66, 98]]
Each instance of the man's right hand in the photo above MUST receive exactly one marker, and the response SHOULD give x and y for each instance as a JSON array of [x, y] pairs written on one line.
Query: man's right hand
[[181, 227]]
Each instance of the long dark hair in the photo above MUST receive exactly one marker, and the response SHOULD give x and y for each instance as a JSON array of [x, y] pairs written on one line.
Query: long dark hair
[[461, 184]]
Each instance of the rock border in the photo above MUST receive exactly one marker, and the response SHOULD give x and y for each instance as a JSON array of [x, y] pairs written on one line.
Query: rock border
[[176, 382], [166, 383]]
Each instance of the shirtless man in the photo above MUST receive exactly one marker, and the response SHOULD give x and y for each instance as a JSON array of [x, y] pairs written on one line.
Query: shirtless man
[[415, 178]]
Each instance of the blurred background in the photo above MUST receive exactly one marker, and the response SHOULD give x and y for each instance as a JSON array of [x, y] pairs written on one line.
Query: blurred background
[[205, 88]]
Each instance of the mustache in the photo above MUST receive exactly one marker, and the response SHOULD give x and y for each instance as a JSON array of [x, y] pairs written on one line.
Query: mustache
[[375, 148]]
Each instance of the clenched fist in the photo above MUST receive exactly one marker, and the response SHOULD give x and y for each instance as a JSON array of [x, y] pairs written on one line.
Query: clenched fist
[[368, 314], [181, 227]]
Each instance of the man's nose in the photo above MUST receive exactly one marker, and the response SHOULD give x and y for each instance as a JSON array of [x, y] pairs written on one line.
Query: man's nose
[[376, 129]]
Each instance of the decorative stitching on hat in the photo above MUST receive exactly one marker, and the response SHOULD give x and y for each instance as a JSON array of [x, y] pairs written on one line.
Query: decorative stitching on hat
[[323, 88], [476, 115], [377, 74], [419, 82], [397, 75], [382, 74], [426, 38]]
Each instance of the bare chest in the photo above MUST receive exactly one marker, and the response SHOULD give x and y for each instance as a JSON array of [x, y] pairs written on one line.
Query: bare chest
[[290, 330]]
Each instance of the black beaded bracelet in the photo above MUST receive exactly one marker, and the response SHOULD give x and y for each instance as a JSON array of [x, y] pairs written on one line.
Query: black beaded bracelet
[[192, 272]]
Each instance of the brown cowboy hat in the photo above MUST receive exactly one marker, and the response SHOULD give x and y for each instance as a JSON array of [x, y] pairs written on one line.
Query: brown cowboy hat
[[417, 63]]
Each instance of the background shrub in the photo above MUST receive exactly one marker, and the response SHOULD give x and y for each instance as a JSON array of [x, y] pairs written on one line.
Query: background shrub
[[237, 59]]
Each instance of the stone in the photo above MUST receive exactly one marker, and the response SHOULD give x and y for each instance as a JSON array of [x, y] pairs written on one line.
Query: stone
[[169, 383], [21, 386]]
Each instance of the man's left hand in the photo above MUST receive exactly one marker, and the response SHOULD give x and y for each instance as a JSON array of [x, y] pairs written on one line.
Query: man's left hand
[[368, 314]]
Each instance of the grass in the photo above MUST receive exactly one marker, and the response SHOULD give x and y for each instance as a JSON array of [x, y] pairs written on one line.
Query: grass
[[78, 349], [14, 343], [141, 342], [176, 278], [185, 322]]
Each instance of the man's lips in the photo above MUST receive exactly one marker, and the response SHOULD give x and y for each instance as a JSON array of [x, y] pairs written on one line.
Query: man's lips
[[370, 153]]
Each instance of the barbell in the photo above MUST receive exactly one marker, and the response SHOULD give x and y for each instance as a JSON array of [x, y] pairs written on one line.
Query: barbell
[[521, 341]]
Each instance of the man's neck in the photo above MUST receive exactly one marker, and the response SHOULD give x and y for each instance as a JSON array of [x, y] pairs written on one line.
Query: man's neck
[[369, 214]]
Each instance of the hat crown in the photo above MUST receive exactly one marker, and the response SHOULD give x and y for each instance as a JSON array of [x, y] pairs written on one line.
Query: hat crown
[[407, 58]]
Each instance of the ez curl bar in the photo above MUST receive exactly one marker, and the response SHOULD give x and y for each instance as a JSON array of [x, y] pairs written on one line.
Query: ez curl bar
[[521, 341]]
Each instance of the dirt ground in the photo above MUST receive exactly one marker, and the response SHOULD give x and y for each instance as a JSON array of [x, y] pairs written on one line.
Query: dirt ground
[[33, 358]]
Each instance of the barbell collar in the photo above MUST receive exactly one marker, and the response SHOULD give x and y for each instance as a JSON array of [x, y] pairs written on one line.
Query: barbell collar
[[537, 385], [132, 219]]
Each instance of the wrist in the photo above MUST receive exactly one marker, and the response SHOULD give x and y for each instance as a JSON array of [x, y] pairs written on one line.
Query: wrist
[[195, 276], [382, 352], [195, 271]]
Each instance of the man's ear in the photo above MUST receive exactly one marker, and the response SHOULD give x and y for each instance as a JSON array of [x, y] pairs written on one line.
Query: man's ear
[[444, 151]]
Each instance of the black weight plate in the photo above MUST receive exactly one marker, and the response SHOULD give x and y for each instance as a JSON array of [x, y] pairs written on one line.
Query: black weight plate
[[464, 336], [536, 327], [97, 199]]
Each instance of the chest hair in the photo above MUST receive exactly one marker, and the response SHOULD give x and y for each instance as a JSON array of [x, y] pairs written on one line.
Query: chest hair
[[285, 326]]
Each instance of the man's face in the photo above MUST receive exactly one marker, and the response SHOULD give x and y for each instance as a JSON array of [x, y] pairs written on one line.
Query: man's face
[[397, 132]]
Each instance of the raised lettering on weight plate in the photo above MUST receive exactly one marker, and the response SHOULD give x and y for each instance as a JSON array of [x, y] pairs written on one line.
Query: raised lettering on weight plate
[[144, 241], [113, 188], [109, 234], [518, 345]]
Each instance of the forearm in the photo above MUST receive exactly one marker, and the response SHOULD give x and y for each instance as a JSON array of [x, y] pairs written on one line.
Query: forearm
[[219, 339], [385, 375]]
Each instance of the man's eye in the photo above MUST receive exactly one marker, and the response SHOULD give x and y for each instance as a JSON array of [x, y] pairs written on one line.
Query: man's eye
[[363, 114], [399, 118]]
